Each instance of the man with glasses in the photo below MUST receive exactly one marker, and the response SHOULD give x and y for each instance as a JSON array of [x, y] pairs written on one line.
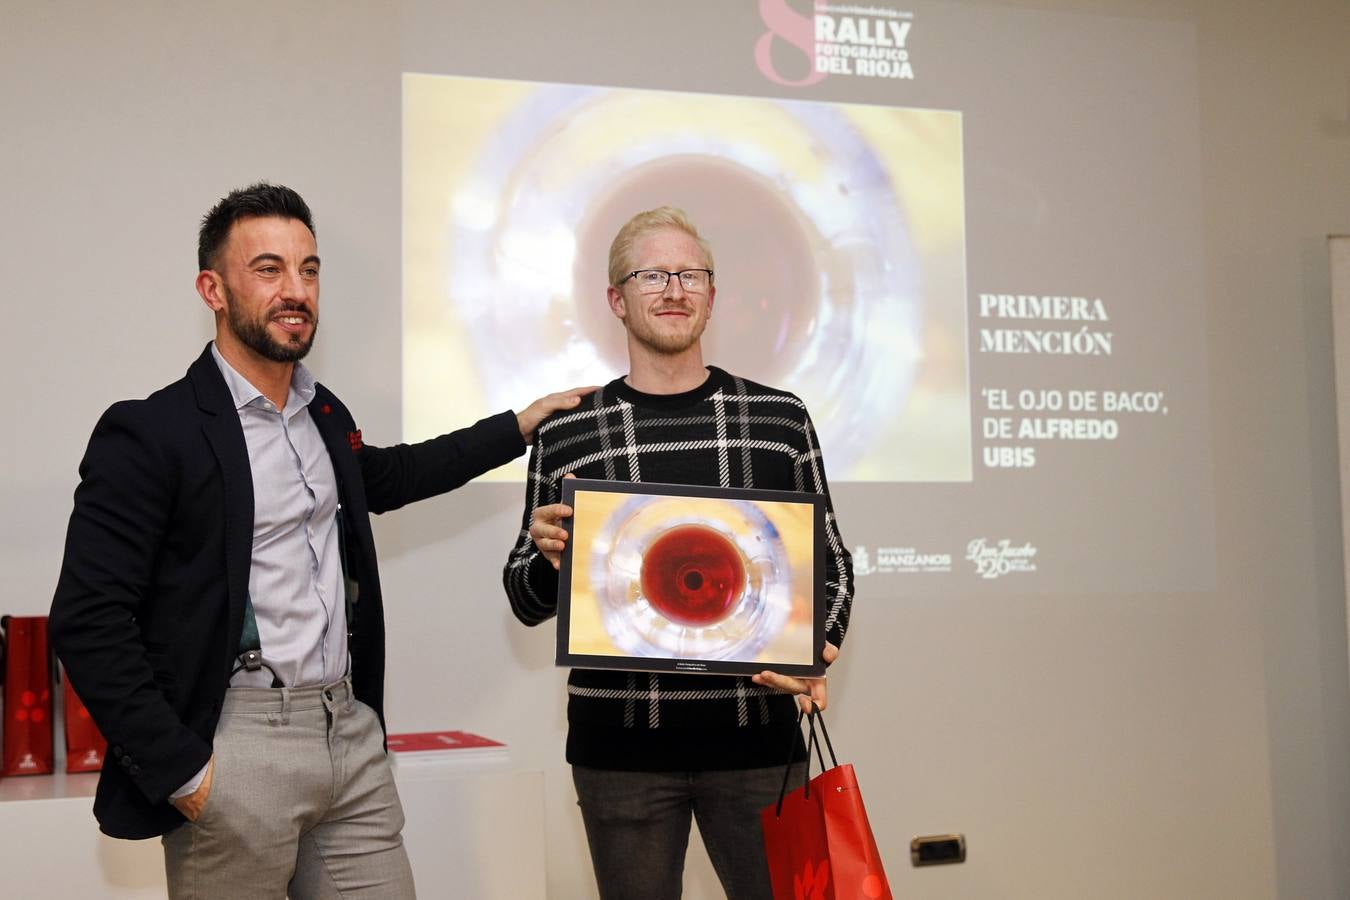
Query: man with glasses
[[650, 751]]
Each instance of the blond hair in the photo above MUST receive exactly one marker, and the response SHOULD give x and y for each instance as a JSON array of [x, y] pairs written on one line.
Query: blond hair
[[643, 224]]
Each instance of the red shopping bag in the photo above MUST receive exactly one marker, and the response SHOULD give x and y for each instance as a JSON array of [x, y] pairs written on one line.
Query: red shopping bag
[[85, 746], [28, 744], [817, 838]]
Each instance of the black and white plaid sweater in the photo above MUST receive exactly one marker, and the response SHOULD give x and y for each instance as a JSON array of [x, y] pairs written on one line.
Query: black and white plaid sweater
[[727, 432]]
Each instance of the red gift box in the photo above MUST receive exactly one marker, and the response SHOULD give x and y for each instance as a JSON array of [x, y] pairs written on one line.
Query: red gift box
[[85, 745], [28, 736]]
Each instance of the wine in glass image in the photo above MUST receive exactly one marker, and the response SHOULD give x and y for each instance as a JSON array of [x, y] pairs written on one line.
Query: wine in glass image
[[692, 578]]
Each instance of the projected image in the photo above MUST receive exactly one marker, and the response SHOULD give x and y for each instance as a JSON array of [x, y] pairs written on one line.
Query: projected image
[[659, 577], [837, 231]]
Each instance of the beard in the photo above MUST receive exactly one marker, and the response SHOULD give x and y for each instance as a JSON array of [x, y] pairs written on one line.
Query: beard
[[253, 333], [646, 332]]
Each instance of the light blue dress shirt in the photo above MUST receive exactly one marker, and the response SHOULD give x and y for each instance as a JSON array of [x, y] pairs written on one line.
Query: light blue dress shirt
[[295, 582]]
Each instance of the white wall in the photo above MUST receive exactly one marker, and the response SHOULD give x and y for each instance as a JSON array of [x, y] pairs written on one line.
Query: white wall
[[1146, 745]]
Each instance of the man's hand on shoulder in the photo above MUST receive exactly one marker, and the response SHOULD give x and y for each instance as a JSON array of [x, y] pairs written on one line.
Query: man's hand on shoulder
[[545, 406]]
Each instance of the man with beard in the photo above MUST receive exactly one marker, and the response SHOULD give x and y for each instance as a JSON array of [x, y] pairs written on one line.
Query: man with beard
[[648, 751], [219, 607]]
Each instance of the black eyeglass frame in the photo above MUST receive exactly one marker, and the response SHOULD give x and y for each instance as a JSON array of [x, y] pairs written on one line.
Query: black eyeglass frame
[[669, 275]]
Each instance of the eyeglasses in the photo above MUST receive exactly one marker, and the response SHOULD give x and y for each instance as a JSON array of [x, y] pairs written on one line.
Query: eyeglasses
[[654, 281]]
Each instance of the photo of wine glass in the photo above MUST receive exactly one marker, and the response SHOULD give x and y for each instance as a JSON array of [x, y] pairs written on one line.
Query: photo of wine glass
[[839, 232], [692, 578]]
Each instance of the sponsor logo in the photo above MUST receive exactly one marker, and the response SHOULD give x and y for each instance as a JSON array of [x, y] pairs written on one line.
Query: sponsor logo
[[857, 40], [994, 559], [862, 561], [898, 560]]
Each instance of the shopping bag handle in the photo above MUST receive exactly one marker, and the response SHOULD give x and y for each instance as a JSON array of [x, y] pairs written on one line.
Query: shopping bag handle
[[812, 741], [820, 714]]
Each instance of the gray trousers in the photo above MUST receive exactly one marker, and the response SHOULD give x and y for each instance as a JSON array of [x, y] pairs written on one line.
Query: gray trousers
[[302, 802]]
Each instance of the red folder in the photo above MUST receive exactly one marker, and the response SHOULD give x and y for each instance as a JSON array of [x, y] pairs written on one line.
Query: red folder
[[424, 741]]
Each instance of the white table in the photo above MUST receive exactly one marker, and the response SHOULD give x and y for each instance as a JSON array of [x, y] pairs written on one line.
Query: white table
[[475, 829]]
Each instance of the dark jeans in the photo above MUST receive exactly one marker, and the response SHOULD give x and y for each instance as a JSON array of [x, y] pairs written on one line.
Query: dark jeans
[[637, 825]]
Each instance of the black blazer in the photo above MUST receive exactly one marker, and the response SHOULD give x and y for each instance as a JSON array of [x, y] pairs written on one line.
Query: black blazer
[[149, 607]]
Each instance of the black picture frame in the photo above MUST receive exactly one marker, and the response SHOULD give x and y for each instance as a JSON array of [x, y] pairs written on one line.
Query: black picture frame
[[768, 521]]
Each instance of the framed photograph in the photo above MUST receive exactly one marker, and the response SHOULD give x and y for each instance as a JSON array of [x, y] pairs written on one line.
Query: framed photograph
[[684, 578]]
